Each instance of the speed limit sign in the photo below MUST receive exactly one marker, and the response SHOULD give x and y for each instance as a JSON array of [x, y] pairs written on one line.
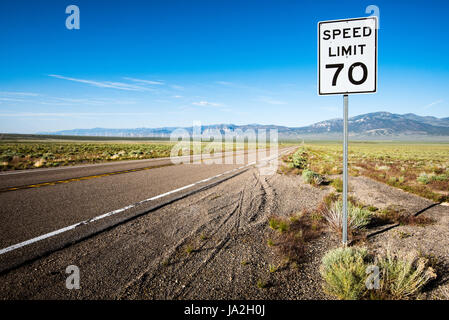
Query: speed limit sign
[[347, 56], [347, 64]]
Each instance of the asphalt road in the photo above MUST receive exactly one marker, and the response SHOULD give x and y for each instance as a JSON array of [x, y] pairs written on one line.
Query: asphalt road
[[47, 209]]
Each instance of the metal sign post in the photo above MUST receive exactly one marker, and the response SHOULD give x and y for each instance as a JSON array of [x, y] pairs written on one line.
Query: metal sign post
[[347, 64], [345, 171]]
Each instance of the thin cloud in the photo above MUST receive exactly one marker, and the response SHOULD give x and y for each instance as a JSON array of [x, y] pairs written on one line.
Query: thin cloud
[[206, 104], [144, 81], [18, 93], [433, 103], [271, 101], [174, 86], [85, 102], [104, 84], [12, 100]]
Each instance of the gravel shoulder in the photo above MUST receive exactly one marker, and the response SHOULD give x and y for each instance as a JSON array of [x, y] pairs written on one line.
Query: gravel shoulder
[[213, 245], [430, 240]]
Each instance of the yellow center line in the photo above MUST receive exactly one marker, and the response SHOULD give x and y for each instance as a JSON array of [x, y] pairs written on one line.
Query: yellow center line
[[52, 183]]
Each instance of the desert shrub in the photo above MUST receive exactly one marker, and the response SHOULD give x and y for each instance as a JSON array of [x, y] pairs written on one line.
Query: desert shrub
[[358, 217], [423, 178], [337, 184], [6, 157], [328, 200], [278, 224], [48, 156], [344, 272], [441, 177], [299, 158], [294, 232], [312, 177], [403, 276], [392, 180], [394, 215]]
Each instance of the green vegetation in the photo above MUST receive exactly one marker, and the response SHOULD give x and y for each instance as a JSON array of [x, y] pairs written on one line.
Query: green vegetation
[[25, 155], [272, 268], [337, 184], [358, 217], [28, 154], [420, 168], [278, 224], [189, 249], [261, 284], [298, 229], [299, 158], [425, 178], [312, 177], [391, 215], [344, 271]]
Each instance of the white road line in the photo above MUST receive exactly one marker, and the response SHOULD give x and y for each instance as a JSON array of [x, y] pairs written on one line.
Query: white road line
[[73, 226]]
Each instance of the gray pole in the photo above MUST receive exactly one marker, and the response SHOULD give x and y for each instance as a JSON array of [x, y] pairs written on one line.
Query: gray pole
[[345, 170]]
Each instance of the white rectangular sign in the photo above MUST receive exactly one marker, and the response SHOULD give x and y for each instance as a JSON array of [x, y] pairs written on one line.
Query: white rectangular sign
[[347, 56]]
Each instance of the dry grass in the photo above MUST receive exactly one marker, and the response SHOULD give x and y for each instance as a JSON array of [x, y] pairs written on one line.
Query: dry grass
[[392, 215], [401, 276], [422, 169], [312, 178], [297, 230], [358, 217], [24, 155], [445, 293]]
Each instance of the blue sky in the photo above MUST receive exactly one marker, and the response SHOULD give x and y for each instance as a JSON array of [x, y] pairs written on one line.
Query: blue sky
[[169, 63]]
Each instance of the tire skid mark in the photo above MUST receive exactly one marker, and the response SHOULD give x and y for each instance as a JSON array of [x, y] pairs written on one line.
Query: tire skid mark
[[150, 274], [178, 277]]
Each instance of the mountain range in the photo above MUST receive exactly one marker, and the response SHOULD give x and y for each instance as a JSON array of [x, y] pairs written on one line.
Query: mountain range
[[377, 125]]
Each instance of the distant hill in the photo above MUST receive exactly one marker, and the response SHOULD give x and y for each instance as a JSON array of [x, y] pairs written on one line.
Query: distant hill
[[370, 125]]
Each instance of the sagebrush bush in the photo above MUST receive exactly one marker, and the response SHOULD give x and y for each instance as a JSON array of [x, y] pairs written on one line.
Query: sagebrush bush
[[401, 276], [299, 158], [423, 178], [344, 272], [337, 184], [358, 217], [312, 177]]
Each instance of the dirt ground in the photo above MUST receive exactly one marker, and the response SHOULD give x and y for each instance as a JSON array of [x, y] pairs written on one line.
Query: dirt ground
[[431, 240], [230, 252], [213, 245], [233, 254]]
